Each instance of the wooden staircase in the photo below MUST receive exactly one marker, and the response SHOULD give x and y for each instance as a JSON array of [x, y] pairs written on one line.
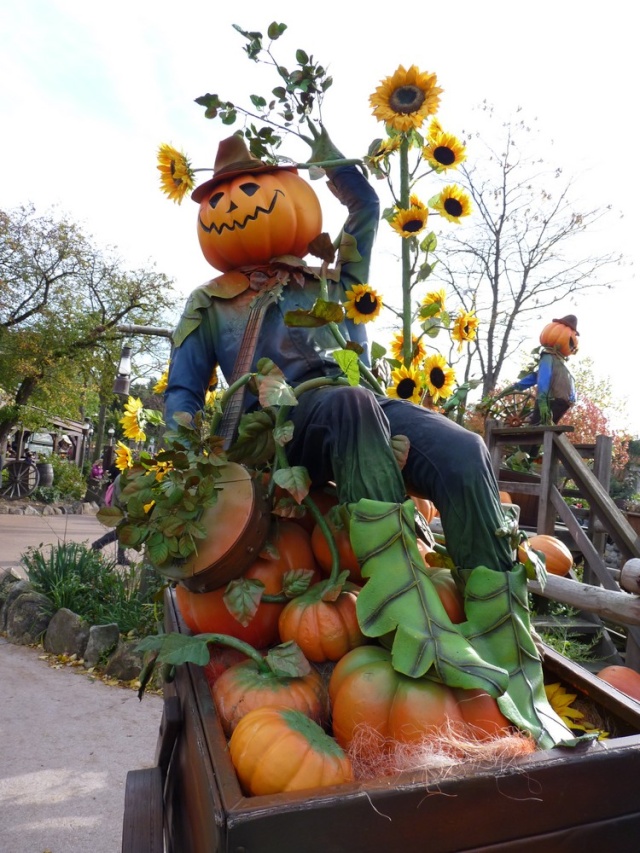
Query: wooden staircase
[[562, 460]]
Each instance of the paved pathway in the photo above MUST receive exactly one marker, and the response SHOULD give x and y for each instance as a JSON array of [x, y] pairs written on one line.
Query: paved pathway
[[66, 741]]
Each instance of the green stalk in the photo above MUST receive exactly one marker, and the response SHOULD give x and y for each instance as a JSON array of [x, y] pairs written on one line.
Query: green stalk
[[239, 645], [406, 257]]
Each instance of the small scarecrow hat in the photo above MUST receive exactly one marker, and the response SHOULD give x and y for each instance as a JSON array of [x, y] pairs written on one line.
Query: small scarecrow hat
[[571, 321], [234, 158]]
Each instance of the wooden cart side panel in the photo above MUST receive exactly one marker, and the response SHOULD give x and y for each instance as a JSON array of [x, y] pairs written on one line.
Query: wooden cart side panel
[[482, 812], [194, 817]]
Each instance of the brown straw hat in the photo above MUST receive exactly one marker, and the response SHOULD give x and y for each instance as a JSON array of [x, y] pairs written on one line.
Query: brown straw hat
[[233, 158], [571, 321]]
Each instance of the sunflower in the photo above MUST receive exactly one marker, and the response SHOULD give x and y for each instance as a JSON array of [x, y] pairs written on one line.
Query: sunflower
[[443, 151], [562, 702], [435, 297], [439, 377], [434, 128], [453, 203], [405, 384], [161, 469], [132, 420], [406, 99], [124, 457], [176, 174], [465, 328], [410, 221], [161, 385], [363, 304], [418, 349], [382, 151]]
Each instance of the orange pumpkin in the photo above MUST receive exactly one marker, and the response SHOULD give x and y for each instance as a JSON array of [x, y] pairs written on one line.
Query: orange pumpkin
[[426, 507], [251, 218], [324, 630], [365, 690], [206, 612], [505, 498], [626, 680], [279, 749], [347, 557], [243, 687], [558, 558], [560, 337]]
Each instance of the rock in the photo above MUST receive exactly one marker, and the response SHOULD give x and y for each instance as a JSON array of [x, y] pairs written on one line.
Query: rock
[[125, 663], [30, 510], [102, 640], [13, 591], [7, 579], [67, 634], [28, 617]]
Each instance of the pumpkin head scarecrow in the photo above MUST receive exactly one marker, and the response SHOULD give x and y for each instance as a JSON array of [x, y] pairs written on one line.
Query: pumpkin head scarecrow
[[254, 223], [251, 212], [556, 391]]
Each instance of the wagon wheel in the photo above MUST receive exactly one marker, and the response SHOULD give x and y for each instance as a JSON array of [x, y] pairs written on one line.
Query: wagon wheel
[[19, 479]]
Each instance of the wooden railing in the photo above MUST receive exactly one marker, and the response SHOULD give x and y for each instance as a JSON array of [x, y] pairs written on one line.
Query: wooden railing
[[561, 459]]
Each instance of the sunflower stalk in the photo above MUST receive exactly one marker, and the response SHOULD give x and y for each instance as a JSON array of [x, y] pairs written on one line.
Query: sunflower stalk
[[406, 258]]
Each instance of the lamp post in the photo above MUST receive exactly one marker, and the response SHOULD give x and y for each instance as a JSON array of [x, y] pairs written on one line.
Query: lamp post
[[111, 432], [123, 379]]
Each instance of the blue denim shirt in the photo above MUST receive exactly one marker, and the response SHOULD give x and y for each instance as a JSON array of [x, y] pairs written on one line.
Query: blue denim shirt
[[301, 353]]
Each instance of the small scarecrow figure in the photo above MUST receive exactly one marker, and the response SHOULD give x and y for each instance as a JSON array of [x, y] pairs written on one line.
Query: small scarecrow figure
[[556, 391]]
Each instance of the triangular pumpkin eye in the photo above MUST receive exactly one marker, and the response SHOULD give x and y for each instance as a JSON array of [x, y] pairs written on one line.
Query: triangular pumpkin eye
[[215, 198], [249, 188]]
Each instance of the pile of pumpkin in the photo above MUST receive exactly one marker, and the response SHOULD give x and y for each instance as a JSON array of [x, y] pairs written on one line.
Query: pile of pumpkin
[[290, 733]]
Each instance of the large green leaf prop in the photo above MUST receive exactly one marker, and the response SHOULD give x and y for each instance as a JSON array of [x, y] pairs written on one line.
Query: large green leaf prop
[[499, 628], [399, 597]]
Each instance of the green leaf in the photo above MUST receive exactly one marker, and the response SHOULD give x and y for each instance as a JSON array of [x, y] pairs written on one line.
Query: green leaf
[[273, 389], [348, 249], [430, 242], [175, 648], [258, 101], [399, 596], [110, 516], [349, 364], [377, 351], [276, 30], [255, 443], [284, 433], [296, 581], [287, 660], [294, 480], [301, 57], [242, 597]]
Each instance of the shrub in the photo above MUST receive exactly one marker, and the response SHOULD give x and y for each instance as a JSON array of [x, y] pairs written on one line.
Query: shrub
[[74, 576], [68, 482]]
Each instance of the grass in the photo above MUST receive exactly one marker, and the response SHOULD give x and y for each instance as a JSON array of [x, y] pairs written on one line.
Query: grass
[[73, 576]]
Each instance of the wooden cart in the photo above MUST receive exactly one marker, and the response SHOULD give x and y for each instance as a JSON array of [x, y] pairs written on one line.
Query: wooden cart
[[583, 799]]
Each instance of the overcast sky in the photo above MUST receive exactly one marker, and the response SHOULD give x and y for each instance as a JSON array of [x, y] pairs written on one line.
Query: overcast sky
[[90, 90]]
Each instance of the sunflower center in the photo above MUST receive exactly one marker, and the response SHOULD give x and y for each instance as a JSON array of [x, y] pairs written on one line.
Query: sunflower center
[[436, 377], [407, 99], [406, 388], [453, 207], [413, 225], [444, 155], [366, 304]]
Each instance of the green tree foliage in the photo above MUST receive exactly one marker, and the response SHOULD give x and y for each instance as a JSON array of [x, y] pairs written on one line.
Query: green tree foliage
[[62, 299]]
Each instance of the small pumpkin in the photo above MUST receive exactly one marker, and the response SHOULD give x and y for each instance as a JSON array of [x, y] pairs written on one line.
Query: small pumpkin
[[426, 508], [252, 217], [626, 680], [324, 630], [505, 498], [274, 750], [558, 558], [365, 689], [561, 337], [244, 686]]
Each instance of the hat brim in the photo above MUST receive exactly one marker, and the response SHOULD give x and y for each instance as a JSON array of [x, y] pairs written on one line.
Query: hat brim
[[249, 167]]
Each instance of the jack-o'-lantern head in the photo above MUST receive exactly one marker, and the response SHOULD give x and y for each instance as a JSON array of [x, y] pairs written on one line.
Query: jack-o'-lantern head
[[561, 335], [251, 212]]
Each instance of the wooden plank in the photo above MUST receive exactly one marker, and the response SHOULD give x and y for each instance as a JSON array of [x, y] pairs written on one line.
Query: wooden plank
[[142, 825], [617, 607]]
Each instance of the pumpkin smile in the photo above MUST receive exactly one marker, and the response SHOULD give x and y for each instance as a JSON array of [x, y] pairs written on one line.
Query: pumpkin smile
[[240, 225]]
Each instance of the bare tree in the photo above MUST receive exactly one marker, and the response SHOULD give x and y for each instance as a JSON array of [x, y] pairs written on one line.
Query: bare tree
[[523, 250]]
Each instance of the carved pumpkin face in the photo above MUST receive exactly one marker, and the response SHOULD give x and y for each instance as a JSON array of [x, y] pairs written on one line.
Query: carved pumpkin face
[[251, 218], [561, 337]]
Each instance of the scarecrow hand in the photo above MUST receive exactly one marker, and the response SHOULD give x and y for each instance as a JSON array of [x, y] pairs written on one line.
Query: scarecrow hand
[[400, 446], [322, 148]]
